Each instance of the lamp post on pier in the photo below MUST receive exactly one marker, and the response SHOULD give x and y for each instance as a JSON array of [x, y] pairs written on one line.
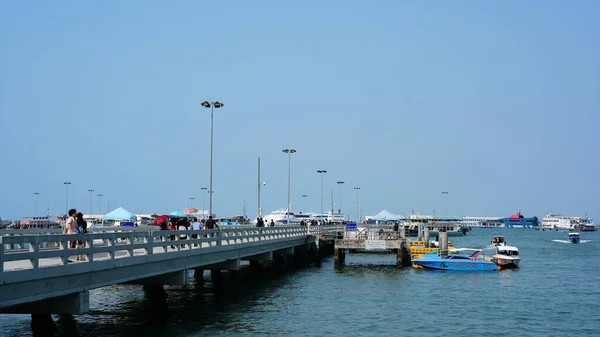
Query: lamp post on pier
[[289, 153], [341, 183], [67, 183], [357, 204], [212, 106], [99, 195], [190, 203], [321, 172], [91, 196], [36, 202], [203, 195]]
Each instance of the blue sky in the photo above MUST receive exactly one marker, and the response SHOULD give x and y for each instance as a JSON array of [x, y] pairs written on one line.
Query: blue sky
[[495, 102]]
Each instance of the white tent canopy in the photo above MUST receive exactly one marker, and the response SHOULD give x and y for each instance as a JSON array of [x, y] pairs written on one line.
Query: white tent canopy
[[385, 216], [120, 214]]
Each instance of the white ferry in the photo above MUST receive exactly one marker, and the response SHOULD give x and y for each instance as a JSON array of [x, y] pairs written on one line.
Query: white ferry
[[279, 216], [37, 222], [571, 223]]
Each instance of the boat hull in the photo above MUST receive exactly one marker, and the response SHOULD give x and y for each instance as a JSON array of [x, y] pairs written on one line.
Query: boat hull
[[505, 262], [450, 264]]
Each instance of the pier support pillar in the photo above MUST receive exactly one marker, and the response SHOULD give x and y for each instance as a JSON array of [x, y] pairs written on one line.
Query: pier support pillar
[[314, 254], [420, 232], [199, 275], [157, 295], [217, 278], [339, 256], [426, 237], [443, 239], [254, 264], [42, 325], [403, 258]]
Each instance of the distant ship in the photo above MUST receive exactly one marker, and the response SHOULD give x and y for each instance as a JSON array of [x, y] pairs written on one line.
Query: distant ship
[[513, 221], [571, 223]]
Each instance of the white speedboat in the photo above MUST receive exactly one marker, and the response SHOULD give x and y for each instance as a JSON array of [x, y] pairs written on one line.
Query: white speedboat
[[506, 257]]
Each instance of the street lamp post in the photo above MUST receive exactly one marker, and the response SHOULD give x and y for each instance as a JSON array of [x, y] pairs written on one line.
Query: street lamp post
[[321, 172], [36, 202], [304, 197], [444, 204], [67, 183], [212, 106], [191, 198], [357, 205], [99, 195], [289, 153], [91, 191], [341, 183], [203, 198]]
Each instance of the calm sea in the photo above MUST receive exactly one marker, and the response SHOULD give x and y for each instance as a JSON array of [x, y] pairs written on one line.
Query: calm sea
[[556, 292]]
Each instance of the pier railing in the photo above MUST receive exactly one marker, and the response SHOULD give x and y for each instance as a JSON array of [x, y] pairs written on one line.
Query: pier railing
[[27, 250]]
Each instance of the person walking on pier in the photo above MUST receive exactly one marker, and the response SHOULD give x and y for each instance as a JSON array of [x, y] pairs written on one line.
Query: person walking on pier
[[81, 229], [71, 228]]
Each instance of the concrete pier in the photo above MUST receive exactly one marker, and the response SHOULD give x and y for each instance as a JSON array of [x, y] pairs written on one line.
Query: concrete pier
[[38, 279], [373, 240]]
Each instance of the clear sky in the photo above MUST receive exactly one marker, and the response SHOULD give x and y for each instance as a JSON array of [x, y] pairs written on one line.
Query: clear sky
[[495, 102]]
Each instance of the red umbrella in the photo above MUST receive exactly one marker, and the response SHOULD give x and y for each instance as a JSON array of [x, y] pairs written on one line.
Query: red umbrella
[[160, 220]]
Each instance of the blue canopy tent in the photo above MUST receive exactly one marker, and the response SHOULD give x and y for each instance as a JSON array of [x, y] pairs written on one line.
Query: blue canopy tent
[[120, 214], [179, 214]]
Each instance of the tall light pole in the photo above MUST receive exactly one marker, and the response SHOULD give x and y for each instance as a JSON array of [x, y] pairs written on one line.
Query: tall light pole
[[191, 198], [67, 183], [99, 195], [203, 198], [341, 183], [321, 172], [357, 205], [444, 204], [258, 203], [212, 106], [36, 202], [91, 191], [304, 197], [289, 153]]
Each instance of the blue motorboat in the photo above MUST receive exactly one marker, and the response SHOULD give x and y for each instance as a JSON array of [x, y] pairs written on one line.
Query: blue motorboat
[[574, 237], [464, 259]]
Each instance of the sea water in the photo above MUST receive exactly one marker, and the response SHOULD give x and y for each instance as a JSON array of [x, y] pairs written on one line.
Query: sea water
[[555, 292]]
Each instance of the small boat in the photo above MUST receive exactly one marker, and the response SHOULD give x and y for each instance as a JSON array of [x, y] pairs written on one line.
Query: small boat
[[506, 257], [498, 240], [464, 259], [574, 237]]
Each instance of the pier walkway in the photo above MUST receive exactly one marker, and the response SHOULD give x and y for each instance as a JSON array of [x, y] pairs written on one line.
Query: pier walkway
[[39, 274]]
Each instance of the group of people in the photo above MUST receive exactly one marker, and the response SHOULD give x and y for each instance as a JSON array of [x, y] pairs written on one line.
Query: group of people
[[76, 224], [184, 224], [260, 222]]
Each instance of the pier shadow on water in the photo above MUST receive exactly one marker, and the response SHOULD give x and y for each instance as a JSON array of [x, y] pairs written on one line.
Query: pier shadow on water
[[124, 310]]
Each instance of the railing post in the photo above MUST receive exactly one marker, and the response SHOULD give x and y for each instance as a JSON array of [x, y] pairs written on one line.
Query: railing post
[[90, 245], [149, 243], [1, 255], [34, 247], [219, 237]]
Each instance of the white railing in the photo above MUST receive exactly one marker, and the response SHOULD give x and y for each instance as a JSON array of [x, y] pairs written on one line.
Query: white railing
[[50, 250]]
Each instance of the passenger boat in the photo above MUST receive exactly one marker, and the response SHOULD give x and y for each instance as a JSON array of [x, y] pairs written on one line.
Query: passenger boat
[[38, 222], [571, 223], [506, 257], [574, 237], [465, 260]]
